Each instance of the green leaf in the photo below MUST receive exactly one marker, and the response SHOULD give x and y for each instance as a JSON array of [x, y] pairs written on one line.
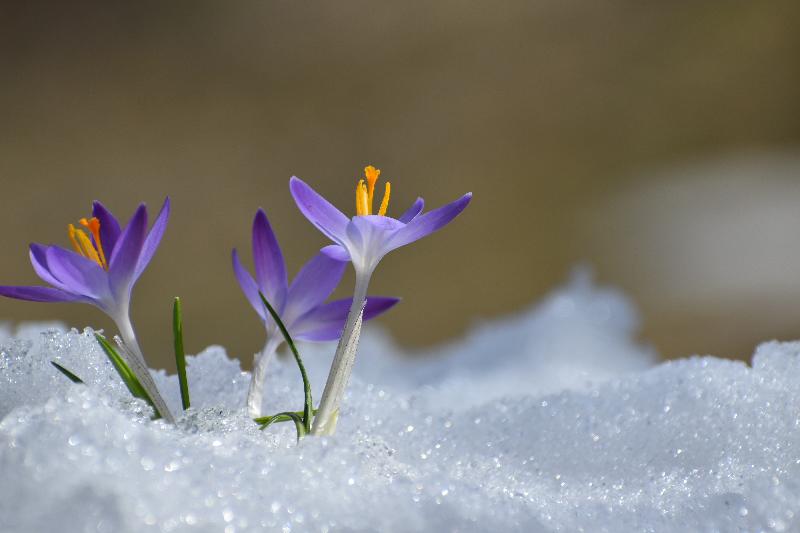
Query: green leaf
[[309, 404], [265, 421], [180, 355], [286, 417], [72, 377], [125, 372]]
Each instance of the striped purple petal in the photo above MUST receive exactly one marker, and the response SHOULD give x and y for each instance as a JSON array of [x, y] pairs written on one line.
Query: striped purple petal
[[78, 274], [326, 322], [269, 264], [38, 255], [127, 251], [109, 228], [368, 235], [428, 223], [39, 294], [248, 285], [336, 251], [313, 285], [412, 212], [320, 212], [153, 239]]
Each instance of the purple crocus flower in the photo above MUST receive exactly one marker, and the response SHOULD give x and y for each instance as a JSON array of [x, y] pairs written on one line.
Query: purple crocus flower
[[364, 240], [300, 305], [101, 271]]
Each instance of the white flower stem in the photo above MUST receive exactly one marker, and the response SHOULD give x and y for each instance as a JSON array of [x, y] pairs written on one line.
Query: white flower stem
[[342, 366], [255, 394], [139, 366]]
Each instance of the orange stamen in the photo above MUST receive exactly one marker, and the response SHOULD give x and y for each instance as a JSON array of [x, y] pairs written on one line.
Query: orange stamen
[[365, 193], [94, 227], [372, 175], [72, 231], [385, 202], [88, 249], [362, 196]]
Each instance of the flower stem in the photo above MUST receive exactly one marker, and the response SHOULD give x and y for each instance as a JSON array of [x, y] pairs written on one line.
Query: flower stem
[[342, 366], [139, 367], [255, 393], [308, 406]]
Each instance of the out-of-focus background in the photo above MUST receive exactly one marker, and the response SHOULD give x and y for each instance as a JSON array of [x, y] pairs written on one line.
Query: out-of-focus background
[[655, 141]]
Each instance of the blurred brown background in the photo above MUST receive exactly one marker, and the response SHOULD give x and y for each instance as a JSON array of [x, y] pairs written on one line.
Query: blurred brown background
[[655, 141]]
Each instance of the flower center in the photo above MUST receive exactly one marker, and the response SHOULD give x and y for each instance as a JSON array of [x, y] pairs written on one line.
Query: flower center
[[365, 192], [84, 245]]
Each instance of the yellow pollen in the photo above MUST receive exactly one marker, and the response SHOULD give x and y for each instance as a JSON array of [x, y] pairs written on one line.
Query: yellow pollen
[[366, 191], [83, 244], [94, 227], [362, 200], [72, 231], [385, 202]]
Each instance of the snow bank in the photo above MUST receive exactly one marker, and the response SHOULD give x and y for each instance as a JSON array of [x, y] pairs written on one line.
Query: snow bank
[[555, 420]]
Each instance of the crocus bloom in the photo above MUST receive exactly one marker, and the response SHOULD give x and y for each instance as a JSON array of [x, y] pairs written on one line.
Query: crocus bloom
[[363, 239], [101, 271], [300, 305]]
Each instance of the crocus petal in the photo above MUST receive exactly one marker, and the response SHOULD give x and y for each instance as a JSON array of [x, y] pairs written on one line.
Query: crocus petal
[[268, 259], [313, 284], [336, 252], [248, 285], [39, 294], [320, 212], [412, 212], [426, 224], [127, 252], [326, 322], [109, 228], [38, 255], [153, 239], [77, 274], [376, 305], [368, 237]]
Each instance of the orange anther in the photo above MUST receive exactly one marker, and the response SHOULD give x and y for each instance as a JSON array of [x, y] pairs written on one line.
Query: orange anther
[[385, 202], [93, 224]]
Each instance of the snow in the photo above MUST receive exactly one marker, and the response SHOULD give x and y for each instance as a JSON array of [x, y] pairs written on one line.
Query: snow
[[553, 420]]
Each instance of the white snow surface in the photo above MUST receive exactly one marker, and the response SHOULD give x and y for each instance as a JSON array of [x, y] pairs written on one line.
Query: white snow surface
[[554, 420]]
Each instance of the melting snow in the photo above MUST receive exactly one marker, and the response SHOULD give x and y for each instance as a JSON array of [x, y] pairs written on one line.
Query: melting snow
[[554, 420]]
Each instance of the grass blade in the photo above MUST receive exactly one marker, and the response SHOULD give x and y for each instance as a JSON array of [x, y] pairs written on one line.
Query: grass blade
[[308, 407], [180, 355], [125, 372], [72, 377]]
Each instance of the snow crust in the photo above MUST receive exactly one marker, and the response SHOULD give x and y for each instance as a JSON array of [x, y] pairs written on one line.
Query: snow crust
[[553, 420]]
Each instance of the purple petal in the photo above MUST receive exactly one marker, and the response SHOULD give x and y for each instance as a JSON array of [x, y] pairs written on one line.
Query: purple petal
[[326, 322], [77, 274], [153, 239], [377, 305], [313, 284], [38, 255], [127, 252], [368, 238], [431, 221], [320, 212], [39, 294], [248, 285], [336, 252], [412, 212], [268, 259], [109, 228]]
